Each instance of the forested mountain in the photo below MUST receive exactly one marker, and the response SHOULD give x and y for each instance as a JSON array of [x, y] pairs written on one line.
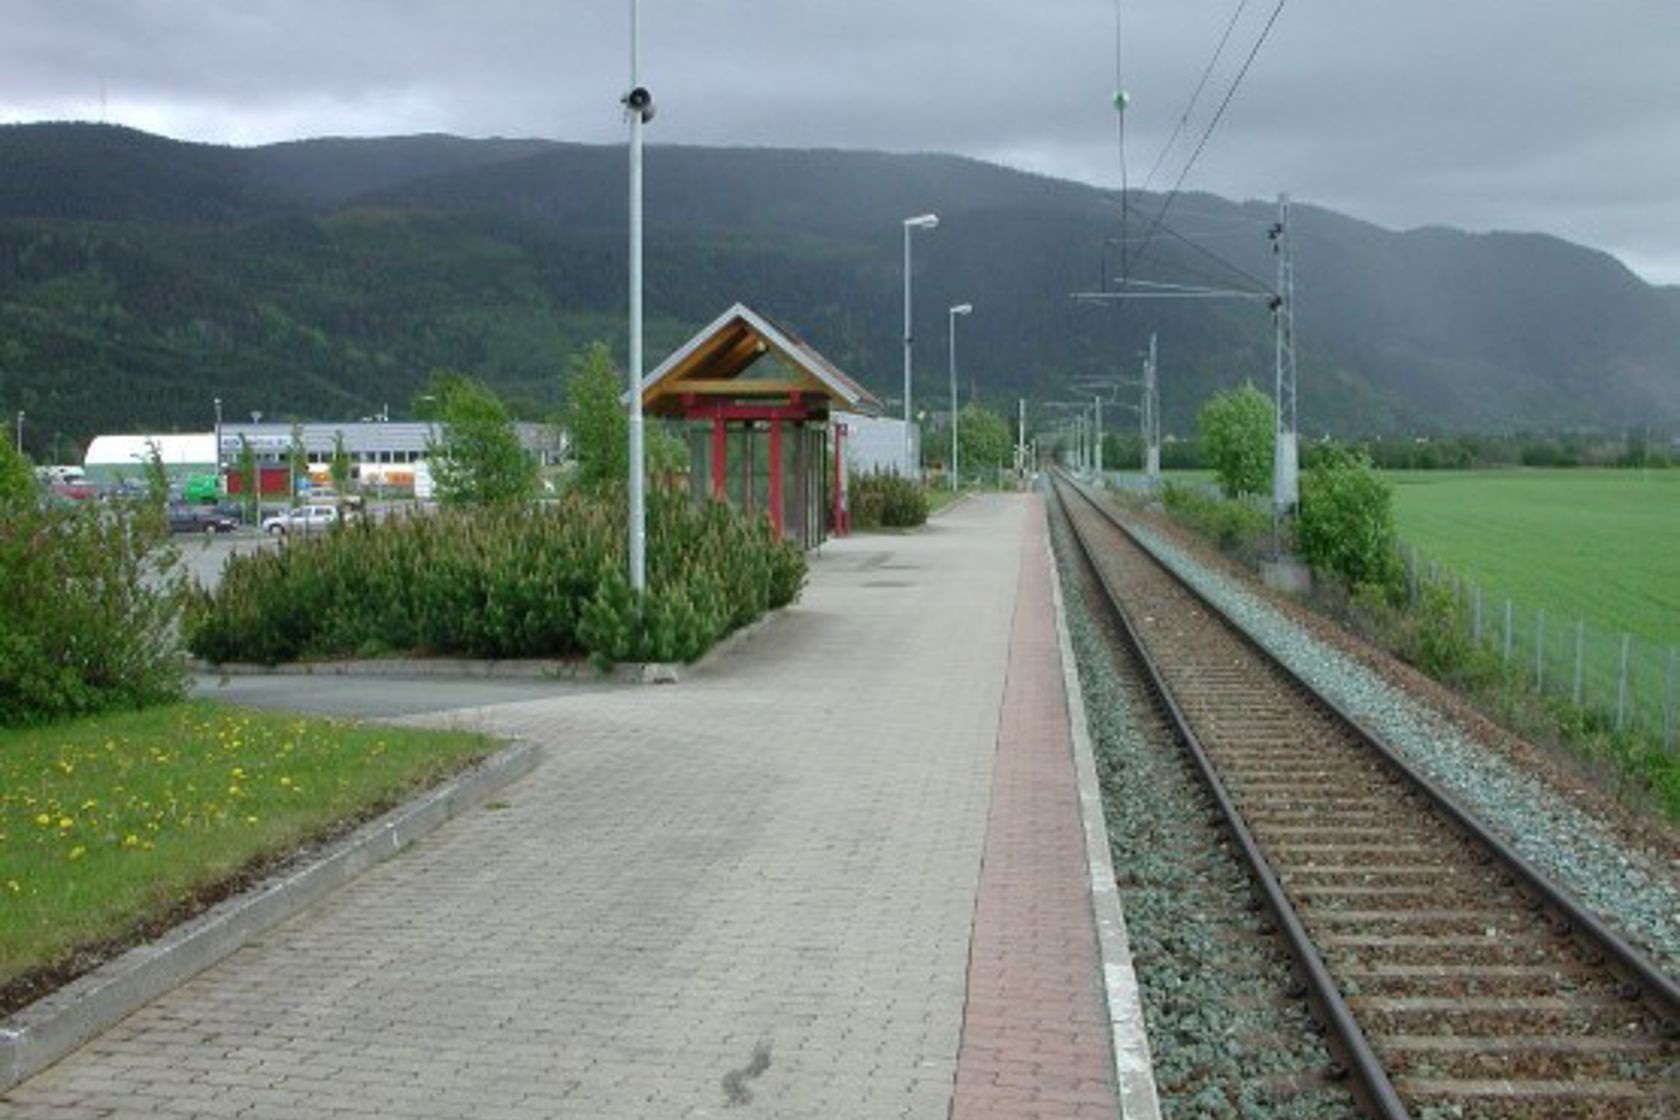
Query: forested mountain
[[141, 277]]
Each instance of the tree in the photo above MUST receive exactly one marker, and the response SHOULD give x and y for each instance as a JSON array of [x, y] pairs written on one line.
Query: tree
[[297, 458], [1346, 523], [250, 482], [479, 460], [1236, 440], [983, 441], [595, 420], [18, 489]]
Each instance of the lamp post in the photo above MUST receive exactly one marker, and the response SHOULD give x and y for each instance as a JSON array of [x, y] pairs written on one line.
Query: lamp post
[[959, 309], [217, 402], [20, 432], [638, 103], [921, 221]]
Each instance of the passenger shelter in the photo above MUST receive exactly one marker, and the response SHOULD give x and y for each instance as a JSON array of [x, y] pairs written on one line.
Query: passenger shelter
[[757, 401]]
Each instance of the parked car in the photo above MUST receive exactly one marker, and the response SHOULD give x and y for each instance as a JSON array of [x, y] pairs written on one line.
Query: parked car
[[303, 519], [199, 519]]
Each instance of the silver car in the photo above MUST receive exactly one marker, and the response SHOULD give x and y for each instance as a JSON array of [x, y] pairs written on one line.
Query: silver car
[[303, 519]]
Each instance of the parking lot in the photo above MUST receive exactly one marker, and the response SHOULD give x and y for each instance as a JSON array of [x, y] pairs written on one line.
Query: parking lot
[[203, 556]]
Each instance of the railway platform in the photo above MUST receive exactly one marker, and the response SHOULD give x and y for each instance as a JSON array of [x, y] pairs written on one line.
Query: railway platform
[[840, 873]]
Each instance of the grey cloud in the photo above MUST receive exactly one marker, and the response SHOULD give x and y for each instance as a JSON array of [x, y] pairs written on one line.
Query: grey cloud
[[1497, 114]]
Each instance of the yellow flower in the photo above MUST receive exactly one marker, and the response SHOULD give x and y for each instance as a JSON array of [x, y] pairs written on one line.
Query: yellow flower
[[42, 819], [250, 820], [131, 841], [66, 822], [12, 885], [77, 852]]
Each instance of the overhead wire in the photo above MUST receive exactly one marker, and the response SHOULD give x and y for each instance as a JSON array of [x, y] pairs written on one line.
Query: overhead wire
[[1195, 95], [1159, 220]]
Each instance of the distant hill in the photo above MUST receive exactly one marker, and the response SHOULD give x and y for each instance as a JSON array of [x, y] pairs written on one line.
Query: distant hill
[[141, 277]]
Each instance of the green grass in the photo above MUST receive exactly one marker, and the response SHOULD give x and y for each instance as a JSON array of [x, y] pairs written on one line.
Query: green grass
[[112, 824], [1603, 545]]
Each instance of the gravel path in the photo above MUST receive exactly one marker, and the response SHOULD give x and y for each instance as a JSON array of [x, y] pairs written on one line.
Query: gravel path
[[1629, 887], [1227, 1039]]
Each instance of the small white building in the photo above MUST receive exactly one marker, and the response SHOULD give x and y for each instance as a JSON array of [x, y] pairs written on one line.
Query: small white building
[[110, 458]]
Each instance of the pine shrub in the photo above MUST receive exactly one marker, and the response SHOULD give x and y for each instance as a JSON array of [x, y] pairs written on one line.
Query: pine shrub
[[545, 581]]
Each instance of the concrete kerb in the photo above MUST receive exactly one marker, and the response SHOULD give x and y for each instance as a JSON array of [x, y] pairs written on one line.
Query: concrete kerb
[[464, 668], [1134, 1072], [49, 1029]]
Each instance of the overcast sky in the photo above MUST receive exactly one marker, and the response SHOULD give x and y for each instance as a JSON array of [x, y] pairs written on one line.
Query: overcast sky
[[1550, 115]]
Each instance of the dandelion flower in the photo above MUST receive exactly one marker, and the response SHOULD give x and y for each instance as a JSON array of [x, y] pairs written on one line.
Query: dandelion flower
[[77, 852]]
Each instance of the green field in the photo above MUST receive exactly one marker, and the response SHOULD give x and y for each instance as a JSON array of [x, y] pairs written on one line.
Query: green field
[[1603, 545]]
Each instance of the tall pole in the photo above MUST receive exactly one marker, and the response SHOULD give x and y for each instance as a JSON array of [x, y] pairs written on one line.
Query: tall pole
[[20, 432], [640, 106], [1096, 439], [1285, 454], [959, 309], [1021, 437], [217, 401], [923, 221], [1152, 414], [952, 321]]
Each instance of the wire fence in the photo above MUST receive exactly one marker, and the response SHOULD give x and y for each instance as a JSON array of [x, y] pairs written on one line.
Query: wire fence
[[1627, 682]]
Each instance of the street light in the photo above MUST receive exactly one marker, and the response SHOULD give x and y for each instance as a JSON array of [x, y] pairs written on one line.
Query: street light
[[20, 432], [217, 401], [921, 221], [959, 309], [638, 103]]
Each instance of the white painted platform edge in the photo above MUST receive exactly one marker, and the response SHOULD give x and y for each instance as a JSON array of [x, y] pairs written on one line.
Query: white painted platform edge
[[1134, 1067]]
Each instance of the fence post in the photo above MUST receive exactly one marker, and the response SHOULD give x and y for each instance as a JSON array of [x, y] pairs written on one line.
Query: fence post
[[1540, 650], [1580, 642], [1621, 685], [1507, 631]]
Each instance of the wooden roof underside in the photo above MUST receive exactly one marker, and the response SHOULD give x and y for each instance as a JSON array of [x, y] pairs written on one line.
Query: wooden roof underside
[[714, 364]]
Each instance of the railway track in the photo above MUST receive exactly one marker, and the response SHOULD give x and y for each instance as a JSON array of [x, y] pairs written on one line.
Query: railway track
[[1451, 978]]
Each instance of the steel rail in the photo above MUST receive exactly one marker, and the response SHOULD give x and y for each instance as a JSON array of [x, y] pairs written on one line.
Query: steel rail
[[1660, 989], [1370, 1077]]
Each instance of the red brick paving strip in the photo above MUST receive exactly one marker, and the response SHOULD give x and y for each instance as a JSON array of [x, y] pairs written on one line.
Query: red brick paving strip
[[1035, 1038]]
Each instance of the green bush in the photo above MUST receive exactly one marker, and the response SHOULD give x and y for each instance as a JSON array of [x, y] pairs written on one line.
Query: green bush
[[1235, 526], [502, 583], [1236, 436], [87, 611], [886, 500], [1346, 523]]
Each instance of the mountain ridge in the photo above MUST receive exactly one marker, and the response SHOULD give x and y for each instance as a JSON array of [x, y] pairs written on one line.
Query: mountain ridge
[[326, 277]]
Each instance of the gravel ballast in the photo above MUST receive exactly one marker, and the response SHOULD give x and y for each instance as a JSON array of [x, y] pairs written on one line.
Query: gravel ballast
[[1627, 886], [1227, 1039]]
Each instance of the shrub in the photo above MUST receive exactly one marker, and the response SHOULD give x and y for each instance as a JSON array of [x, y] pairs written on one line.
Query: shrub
[[1235, 526], [503, 583], [1346, 523], [88, 607], [886, 500]]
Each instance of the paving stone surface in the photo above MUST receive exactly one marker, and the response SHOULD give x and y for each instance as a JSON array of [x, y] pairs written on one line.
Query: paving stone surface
[[748, 894], [1035, 1040]]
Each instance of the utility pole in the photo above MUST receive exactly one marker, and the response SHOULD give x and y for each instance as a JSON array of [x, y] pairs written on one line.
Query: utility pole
[[1286, 448], [1096, 439], [1151, 414], [639, 104]]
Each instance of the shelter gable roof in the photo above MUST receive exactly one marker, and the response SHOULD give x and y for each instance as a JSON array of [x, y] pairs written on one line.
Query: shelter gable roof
[[726, 348]]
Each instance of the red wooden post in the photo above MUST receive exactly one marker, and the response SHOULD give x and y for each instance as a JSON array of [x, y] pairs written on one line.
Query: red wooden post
[[776, 475], [720, 458]]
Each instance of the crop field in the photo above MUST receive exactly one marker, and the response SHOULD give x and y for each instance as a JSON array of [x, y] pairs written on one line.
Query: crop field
[[1601, 545]]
